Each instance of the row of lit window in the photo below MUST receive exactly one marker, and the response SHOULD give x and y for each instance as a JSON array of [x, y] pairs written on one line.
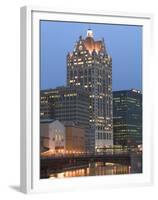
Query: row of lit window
[[70, 95], [44, 101], [55, 96], [78, 63], [82, 62], [43, 97]]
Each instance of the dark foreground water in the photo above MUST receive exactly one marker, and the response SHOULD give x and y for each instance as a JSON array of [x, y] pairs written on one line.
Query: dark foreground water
[[100, 168]]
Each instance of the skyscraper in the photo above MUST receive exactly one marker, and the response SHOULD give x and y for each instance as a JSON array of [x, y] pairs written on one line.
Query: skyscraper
[[127, 117], [90, 66]]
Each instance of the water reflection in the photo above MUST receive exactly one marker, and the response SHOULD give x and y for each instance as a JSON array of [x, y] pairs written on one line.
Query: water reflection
[[95, 169]]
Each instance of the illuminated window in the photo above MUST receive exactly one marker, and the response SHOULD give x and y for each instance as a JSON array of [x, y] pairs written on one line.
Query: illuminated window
[[80, 63], [89, 62], [71, 81]]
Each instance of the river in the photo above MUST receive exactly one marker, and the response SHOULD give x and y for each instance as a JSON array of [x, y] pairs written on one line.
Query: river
[[99, 168]]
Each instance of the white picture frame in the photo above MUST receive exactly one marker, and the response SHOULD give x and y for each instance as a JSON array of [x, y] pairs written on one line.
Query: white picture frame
[[30, 181]]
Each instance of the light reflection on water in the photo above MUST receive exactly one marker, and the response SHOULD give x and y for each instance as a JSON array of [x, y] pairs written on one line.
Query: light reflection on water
[[95, 169]]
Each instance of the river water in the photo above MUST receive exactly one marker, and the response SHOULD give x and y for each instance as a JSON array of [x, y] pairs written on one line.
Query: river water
[[99, 168]]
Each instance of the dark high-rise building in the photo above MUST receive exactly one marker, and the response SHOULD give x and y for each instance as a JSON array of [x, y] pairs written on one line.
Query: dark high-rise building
[[127, 117], [65, 104], [90, 67], [68, 104]]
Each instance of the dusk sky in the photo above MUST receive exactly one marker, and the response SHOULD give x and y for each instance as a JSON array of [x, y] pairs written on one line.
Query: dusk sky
[[123, 43]]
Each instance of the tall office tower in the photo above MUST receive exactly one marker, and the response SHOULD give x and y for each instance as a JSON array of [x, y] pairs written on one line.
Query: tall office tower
[[127, 117], [90, 66]]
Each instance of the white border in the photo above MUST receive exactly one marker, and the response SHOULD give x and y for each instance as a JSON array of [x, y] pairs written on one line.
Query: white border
[[30, 182]]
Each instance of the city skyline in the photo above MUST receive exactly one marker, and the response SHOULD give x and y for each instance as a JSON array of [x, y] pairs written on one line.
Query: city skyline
[[81, 119], [126, 61]]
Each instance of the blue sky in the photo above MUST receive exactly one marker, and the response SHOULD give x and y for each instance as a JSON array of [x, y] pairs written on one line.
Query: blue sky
[[123, 43]]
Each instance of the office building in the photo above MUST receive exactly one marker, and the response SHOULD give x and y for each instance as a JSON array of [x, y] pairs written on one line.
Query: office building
[[65, 104], [68, 104], [90, 67], [127, 117]]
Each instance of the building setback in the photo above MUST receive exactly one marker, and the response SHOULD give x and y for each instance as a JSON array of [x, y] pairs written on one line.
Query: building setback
[[127, 117], [90, 66]]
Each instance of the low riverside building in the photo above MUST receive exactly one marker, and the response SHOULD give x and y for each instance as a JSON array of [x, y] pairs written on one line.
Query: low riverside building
[[52, 136]]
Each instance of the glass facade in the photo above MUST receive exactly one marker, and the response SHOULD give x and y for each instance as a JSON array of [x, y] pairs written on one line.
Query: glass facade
[[127, 117]]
